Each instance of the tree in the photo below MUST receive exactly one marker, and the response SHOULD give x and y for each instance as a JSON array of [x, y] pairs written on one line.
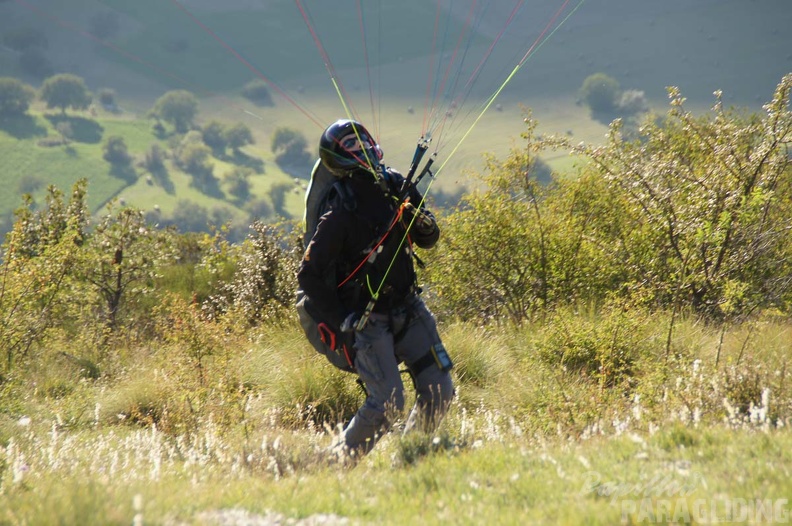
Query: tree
[[38, 256], [214, 136], [194, 159], [15, 97], [120, 261], [710, 206], [115, 151], [601, 93], [238, 182], [290, 147], [178, 107], [257, 92], [65, 91], [238, 135], [189, 216], [107, 98]]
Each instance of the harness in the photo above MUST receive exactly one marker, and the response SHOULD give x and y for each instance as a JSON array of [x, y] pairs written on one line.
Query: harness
[[359, 273]]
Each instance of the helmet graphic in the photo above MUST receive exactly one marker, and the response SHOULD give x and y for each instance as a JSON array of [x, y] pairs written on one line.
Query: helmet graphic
[[347, 145]]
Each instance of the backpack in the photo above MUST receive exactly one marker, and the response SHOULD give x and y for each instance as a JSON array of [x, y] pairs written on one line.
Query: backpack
[[337, 349]]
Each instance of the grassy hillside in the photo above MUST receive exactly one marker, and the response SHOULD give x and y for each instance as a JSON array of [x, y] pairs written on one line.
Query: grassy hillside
[[153, 46], [30, 164], [523, 443]]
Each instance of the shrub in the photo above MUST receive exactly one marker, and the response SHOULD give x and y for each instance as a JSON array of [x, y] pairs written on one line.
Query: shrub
[[263, 286], [290, 149], [238, 182], [601, 93], [115, 151], [604, 348], [37, 258], [65, 91], [15, 97], [698, 192], [257, 92], [214, 137], [107, 98], [178, 107]]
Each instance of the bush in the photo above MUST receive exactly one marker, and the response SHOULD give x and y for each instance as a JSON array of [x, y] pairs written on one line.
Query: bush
[[178, 107], [257, 92], [65, 91], [518, 247], [213, 134], [115, 151], [107, 98], [604, 348], [194, 159], [601, 93], [238, 182], [15, 97], [263, 286]]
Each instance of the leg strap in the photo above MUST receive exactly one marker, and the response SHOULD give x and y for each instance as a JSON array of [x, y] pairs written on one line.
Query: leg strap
[[422, 363]]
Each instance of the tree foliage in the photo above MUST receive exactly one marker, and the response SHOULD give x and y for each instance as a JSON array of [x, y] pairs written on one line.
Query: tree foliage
[[257, 92], [213, 134], [238, 182], [694, 213], [120, 262], [262, 288], [15, 97], [710, 204], [601, 93], [290, 148], [37, 258], [65, 91], [238, 135], [518, 247], [178, 108], [116, 152]]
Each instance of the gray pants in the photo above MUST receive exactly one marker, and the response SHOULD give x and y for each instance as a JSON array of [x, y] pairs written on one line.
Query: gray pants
[[377, 363]]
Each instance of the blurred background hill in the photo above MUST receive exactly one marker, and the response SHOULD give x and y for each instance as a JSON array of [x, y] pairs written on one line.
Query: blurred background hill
[[140, 50]]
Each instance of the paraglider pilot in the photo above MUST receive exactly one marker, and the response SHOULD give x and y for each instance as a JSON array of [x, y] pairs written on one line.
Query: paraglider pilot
[[359, 284]]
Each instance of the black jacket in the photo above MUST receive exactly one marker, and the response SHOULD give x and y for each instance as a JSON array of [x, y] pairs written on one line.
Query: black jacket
[[343, 240]]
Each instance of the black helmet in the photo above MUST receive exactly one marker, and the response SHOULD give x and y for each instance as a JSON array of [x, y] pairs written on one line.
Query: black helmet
[[347, 145]]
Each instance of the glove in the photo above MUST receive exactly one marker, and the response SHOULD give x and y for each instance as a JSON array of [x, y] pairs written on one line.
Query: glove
[[424, 223]]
